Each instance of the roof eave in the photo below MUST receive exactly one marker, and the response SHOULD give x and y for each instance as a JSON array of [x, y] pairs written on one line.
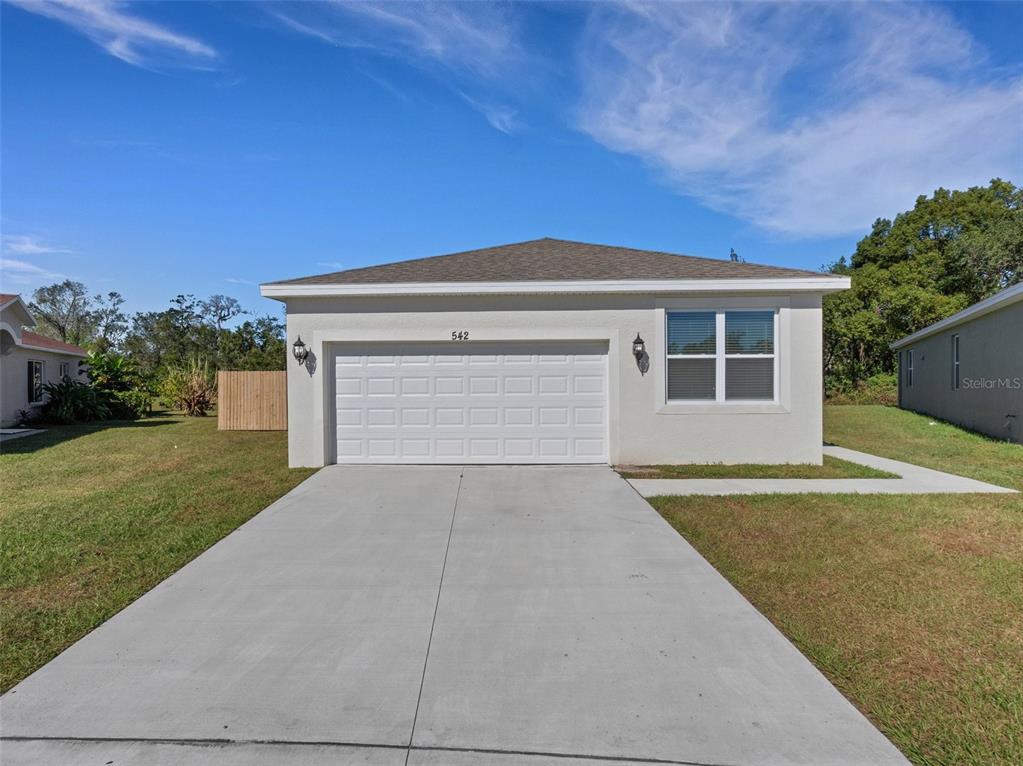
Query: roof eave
[[997, 301], [814, 284], [17, 302]]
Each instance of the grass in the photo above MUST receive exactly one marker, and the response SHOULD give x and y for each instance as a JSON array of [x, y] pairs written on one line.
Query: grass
[[833, 468], [911, 605], [94, 516]]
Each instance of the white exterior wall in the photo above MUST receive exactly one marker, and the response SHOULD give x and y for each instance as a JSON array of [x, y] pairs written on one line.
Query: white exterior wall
[[14, 379], [643, 429]]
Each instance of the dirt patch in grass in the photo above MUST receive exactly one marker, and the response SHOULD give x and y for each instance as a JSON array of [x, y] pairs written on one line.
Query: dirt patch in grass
[[833, 468]]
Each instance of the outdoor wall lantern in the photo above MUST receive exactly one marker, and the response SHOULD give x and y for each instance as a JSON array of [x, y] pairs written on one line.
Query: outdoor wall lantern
[[638, 348], [639, 351], [300, 351]]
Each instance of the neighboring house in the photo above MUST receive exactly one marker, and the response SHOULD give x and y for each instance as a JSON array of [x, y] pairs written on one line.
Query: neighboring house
[[524, 353], [28, 361], [968, 369]]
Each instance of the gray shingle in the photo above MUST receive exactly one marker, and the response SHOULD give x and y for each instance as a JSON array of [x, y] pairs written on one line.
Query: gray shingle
[[542, 260]]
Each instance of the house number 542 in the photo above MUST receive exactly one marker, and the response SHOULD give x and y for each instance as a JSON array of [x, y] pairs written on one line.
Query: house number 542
[[459, 335]]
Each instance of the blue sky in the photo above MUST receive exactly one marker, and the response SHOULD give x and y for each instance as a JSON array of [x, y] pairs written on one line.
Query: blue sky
[[164, 148]]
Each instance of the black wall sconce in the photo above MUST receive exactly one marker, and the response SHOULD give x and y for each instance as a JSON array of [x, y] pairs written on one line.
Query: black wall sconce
[[300, 351], [639, 351]]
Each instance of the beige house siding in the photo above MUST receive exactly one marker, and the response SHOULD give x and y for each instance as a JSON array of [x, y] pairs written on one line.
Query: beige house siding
[[990, 395], [14, 378], [642, 428]]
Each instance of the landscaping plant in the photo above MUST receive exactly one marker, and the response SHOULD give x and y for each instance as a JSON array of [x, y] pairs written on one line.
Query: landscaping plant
[[192, 389]]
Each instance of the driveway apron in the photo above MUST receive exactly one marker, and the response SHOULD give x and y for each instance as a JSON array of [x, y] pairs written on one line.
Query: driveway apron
[[486, 615]]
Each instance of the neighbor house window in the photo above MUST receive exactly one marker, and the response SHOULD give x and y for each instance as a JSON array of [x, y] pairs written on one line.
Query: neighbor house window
[[65, 370], [721, 356], [36, 373], [955, 362], [909, 368]]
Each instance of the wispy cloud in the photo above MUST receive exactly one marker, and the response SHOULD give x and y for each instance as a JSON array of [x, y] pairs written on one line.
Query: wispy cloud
[[805, 121], [480, 37], [24, 244], [239, 281], [122, 34], [336, 265], [14, 271], [501, 117]]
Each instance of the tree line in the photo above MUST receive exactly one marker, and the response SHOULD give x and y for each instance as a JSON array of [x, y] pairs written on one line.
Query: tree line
[[951, 250], [172, 355]]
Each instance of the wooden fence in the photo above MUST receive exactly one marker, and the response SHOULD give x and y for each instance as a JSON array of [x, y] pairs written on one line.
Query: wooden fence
[[252, 401]]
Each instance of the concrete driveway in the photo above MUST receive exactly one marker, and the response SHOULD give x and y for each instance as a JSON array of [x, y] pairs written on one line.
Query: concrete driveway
[[485, 615]]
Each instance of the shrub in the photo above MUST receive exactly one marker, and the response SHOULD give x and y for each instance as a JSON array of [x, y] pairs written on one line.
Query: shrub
[[130, 405], [877, 389], [192, 389], [71, 401]]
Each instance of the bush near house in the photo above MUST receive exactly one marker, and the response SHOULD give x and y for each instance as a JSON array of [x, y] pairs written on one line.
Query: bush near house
[[877, 389]]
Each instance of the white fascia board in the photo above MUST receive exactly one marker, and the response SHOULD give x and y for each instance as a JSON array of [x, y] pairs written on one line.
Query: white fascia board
[[986, 306], [822, 284], [27, 320]]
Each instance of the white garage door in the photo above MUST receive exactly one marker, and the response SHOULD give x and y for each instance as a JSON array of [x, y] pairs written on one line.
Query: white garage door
[[469, 403]]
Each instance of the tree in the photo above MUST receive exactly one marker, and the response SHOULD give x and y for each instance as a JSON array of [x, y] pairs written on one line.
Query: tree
[[63, 311], [109, 322], [951, 250], [220, 309]]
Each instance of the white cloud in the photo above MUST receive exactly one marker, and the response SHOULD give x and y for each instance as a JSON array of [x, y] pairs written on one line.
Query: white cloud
[[336, 265], [500, 117], [24, 244], [14, 271], [121, 34], [805, 120], [240, 281], [478, 37]]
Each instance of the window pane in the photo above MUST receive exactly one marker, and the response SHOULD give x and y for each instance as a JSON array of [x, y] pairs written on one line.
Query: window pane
[[691, 378], [691, 333], [749, 379], [749, 332]]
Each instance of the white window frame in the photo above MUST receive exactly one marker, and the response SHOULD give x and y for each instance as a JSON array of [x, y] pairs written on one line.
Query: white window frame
[[909, 368], [42, 377], [956, 380], [65, 370], [721, 357]]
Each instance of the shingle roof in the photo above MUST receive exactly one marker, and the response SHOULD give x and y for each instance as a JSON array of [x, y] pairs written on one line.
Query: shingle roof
[[554, 260], [7, 298], [29, 338]]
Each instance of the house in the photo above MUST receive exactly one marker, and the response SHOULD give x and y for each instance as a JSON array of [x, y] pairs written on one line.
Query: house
[[968, 369], [551, 351], [28, 361]]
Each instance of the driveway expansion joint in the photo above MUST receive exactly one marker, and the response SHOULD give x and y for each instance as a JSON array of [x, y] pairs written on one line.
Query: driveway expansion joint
[[436, 607]]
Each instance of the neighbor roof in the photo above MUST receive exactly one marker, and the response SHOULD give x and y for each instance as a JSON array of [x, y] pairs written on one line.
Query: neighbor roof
[[550, 260], [997, 301], [41, 342]]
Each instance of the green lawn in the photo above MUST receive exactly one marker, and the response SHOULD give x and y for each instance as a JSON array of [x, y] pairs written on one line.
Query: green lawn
[[911, 605], [94, 516], [833, 468]]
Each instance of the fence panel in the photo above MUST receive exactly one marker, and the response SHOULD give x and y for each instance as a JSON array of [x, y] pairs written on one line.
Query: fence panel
[[252, 401]]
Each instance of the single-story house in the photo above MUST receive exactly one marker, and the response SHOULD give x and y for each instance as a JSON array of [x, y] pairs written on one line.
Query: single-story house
[[28, 361], [968, 369], [551, 351]]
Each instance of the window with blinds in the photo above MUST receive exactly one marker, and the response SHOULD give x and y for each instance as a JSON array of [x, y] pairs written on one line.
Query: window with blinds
[[722, 356]]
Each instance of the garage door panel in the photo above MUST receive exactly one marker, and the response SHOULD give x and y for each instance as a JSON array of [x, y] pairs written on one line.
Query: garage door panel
[[397, 405]]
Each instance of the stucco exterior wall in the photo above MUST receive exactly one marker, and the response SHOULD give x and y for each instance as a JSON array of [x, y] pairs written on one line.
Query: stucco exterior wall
[[14, 379], [642, 428], [990, 396]]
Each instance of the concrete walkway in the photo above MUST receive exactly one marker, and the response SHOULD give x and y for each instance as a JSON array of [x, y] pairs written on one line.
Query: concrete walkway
[[503, 616], [914, 480]]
